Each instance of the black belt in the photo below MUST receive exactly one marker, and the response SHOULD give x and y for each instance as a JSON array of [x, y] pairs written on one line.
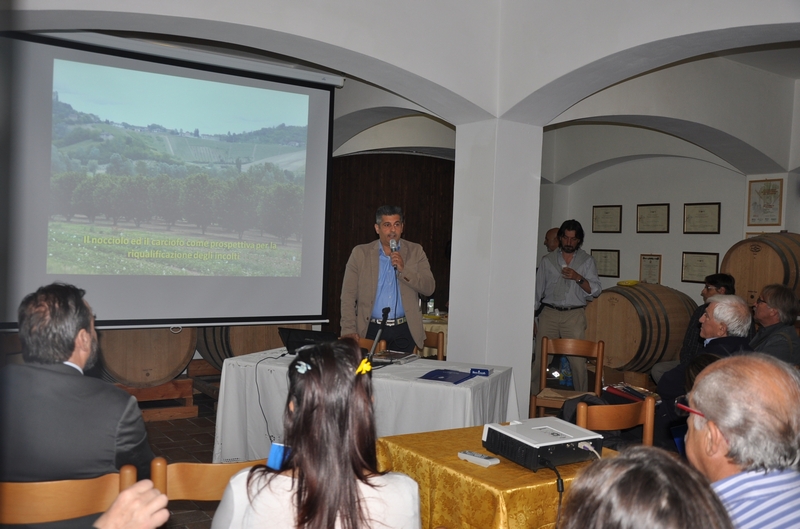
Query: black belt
[[390, 323], [561, 309]]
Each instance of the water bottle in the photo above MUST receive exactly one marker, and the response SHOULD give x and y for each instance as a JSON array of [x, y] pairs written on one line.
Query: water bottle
[[430, 306]]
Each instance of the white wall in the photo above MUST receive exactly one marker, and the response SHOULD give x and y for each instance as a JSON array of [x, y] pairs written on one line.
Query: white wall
[[654, 181]]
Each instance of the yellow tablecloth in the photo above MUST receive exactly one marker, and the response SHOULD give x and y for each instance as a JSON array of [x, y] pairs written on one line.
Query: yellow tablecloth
[[458, 494], [435, 326]]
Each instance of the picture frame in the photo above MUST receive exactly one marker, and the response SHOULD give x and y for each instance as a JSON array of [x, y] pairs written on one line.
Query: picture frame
[[607, 262], [652, 218], [607, 219], [765, 202], [650, 269], [695, 266], [701, 217]]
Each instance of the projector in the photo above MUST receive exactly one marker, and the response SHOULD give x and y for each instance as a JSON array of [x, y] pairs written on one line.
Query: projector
[[529, 443]]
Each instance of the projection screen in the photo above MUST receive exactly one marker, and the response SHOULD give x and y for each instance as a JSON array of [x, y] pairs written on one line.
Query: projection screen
[[173, 192]]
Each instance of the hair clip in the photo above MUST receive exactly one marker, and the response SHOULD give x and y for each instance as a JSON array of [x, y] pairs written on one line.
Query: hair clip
[[364, 367], [302, 367]]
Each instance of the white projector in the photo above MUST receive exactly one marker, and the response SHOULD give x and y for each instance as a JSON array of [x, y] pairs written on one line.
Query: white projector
[[533, 442]]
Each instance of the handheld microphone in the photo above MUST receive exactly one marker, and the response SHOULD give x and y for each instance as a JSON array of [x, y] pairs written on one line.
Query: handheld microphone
[[393, 247]]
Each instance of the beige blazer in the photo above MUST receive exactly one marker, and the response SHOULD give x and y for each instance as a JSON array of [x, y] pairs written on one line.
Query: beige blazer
[[361, 283]]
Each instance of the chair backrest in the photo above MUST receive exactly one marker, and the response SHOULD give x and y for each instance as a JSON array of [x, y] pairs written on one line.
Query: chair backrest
[[435, 340], [194, 481], [365, 343], [574, 347], [619, 417], [53, 501]]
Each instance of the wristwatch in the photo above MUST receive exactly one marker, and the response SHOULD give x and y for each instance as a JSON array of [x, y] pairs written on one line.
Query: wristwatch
[[580, 281]]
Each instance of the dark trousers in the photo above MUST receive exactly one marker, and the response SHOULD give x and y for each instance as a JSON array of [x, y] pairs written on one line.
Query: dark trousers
[[398, 337]]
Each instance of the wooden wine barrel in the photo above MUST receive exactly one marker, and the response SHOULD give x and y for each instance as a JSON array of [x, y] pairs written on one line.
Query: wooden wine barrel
[[215, 344], [640, 325], [142, 358], [762, 260]]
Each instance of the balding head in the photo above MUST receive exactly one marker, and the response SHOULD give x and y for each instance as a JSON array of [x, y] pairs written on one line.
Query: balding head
[[551, 239], [753, 401]]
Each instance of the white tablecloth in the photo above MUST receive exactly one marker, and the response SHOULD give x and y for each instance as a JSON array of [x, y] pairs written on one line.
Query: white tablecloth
[[254, 387]]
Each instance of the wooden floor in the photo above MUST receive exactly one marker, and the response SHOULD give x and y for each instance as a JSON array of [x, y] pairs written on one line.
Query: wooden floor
[[187, 440]]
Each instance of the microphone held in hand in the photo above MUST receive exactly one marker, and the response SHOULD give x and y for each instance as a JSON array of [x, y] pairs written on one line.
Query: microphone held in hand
[[393, 247]]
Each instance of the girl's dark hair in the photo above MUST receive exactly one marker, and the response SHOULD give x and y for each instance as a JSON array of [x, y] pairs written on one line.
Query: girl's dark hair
[[642, 487], [329, 432]]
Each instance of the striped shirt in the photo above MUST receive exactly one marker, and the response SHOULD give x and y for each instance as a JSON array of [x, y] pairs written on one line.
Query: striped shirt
[[761, 500]]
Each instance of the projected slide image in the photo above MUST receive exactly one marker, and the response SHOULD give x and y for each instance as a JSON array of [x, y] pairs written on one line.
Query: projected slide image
[[162, 175]]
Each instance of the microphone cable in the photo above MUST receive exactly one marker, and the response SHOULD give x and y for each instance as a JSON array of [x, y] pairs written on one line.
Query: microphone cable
[[258, 393]]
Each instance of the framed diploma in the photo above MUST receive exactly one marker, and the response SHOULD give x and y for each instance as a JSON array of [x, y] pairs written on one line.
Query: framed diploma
[[701, 218], [650, 269], [652, 218], [764, 202], [607, 262], [607, 219], [696, 266]]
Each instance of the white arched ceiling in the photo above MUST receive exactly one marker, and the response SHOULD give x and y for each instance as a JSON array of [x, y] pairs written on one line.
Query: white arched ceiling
[[575, 150], [418, 134], [388, 45], [737, 112], [545, 103]]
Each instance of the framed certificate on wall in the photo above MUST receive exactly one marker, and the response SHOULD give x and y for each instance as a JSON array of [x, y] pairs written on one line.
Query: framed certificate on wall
[[701, 217], [652, 218], [607, 219], [697, 265], [607, 262], [650, 269]]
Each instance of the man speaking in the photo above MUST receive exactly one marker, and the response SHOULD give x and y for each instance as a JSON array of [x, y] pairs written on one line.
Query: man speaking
[[390, 272]]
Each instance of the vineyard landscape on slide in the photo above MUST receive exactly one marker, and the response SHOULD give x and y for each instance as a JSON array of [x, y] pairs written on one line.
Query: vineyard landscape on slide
[[164, 175]]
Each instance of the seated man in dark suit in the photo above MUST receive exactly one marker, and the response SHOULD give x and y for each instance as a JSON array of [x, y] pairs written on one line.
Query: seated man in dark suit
[[55, 423], [724, 327], [715, 284]]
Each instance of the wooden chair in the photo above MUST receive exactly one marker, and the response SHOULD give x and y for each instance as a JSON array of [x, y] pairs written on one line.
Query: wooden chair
[[194, 481], [53, 501], [570, 347], [619, 417], [366, 343], [434, 340]]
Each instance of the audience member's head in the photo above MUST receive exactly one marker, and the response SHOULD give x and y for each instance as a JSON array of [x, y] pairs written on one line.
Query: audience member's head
[[642, 487], [719, 284], [51, 320], [329, 429], [725, 316], [776, 304], [750, 417]]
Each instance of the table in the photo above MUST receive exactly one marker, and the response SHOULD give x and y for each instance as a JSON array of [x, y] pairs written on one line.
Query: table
[[456, 493], [254, 387], [435, 325]]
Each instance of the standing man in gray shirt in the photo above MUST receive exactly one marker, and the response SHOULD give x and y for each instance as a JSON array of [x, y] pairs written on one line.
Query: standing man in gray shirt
[[565, 281]]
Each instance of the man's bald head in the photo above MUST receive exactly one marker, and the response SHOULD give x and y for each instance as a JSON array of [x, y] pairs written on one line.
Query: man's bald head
[[551, 239]]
